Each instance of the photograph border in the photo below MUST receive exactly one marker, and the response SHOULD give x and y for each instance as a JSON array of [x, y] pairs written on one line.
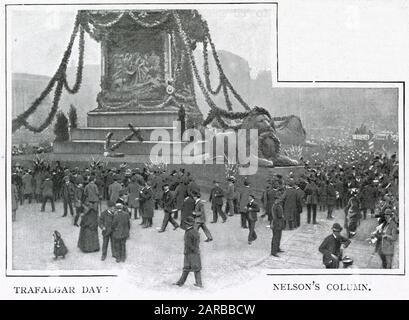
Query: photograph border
[[399, 85]]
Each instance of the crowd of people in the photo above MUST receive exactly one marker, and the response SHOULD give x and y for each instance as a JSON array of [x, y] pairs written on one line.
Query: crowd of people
[[362, 183]]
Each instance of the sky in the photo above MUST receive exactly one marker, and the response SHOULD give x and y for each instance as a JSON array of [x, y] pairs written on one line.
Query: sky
[[38, 36]]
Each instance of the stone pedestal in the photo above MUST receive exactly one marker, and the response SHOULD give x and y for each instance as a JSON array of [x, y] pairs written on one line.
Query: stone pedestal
[[145, 81]]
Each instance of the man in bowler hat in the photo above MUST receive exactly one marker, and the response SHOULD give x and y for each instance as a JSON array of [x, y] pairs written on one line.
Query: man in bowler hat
[[331, 247], [277, 225], [252, 209], [168, 200], [105, 223], [216, 199], [192, 262], [200, 216], [120, 232]]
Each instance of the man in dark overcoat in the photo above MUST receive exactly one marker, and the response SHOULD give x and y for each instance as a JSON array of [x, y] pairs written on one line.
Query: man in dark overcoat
[[121, 225], [192, 262], [147, 204], [78, 200], [187, 209], [290, 205], [216, 199], [91, 193], [252, 208], [105, 224], [331, 199], [244, 197], [331, 247], [311, 194], [277, 225], [68, 195], [300, 196], [28, 183], [200, 217], [114, 189], [368, 199], [267, 199], [47, 193], [169, 207], [180, 195]]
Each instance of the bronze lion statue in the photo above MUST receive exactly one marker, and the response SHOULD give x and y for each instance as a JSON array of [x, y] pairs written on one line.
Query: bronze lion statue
[[269, 135]]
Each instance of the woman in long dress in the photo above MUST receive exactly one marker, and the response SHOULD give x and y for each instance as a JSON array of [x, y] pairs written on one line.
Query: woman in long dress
[[148, 205], [133, 196], [88, 239]]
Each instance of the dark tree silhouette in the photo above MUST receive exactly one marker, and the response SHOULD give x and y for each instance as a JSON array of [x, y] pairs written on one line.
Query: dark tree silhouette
[[61, 127], [72, 116]]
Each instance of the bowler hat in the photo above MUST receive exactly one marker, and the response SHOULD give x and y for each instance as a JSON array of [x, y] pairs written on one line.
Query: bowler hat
[[336, 227], [388, 212], [347, 260]]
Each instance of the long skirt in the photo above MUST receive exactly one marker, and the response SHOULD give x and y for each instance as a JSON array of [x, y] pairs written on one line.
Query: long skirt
[[88, 239]]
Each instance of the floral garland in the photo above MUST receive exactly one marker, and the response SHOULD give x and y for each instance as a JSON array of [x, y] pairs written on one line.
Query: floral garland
[[215, 112], [60, 78], [51, 115], [226, 95], [131, 14], [225, 81], [104, 25], [88, 27], [189, 53], [223, 77], [80, 66], [207, 71], [149, 25]]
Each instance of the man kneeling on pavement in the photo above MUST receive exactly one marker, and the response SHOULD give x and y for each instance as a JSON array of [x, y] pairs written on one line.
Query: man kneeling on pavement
[[331, 247]]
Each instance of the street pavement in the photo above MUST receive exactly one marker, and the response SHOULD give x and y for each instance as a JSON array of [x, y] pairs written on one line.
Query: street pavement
[[155, 259]]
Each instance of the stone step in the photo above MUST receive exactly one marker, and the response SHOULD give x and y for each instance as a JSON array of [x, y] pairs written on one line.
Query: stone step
[[99, 133], [104, 119]]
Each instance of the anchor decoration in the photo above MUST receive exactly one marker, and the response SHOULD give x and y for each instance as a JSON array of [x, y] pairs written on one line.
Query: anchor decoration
[[109, 150]]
